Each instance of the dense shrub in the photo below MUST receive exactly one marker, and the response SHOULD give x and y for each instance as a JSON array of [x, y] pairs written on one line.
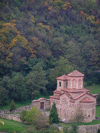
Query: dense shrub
[[12, 105]]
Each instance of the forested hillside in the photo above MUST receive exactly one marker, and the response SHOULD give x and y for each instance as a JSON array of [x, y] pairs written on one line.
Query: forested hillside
[[43, 39]]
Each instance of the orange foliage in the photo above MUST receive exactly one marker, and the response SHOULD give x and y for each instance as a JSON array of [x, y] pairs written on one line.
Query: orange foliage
[[46, 3], [40, 24], [7, 24], [50, 7], [44, 26], [13, 20]]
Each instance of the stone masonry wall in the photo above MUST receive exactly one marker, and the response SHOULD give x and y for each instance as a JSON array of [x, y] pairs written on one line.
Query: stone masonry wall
[[88, 128], [15, 117]]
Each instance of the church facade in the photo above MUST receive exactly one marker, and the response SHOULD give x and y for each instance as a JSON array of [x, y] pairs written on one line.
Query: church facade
[[71, 98]]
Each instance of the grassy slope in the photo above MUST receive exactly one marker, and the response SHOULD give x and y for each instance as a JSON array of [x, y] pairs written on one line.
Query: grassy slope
[[11, 126], [94, 89]]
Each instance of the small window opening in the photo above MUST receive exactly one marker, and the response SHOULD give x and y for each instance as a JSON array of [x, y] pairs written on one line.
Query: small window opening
[[59, 84]]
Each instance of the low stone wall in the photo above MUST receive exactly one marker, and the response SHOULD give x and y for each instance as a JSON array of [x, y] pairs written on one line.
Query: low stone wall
[[16, 110], [15, 117], [88, 128]]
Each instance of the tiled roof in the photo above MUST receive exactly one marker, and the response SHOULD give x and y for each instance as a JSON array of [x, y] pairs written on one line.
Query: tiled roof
[[75, 73], [82, 94], [67, 94], [76, 90], [86, 100], [64, 77], [39, 99], [95, 95], [54, 97], [58, 92]]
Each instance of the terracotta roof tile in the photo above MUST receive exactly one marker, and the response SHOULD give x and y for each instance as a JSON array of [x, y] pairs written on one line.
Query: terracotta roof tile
[[54, 97], [56, 91], [67, 94], [82, 94], [75, 73], [86, 100], [63, 77], [76, 90], [39, 99]]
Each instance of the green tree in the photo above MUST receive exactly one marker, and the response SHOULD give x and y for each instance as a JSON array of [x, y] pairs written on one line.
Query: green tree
[[62, 67], [53, 117], [12, 105], [32, 115], [3, 95], [36, 80], [23, 115], [43, 121], [17, 87]]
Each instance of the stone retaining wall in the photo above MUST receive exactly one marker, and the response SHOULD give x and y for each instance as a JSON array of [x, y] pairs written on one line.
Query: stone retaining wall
[[15, 117], [88, 128]]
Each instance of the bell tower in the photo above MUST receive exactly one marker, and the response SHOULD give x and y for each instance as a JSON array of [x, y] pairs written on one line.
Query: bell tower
[[62, 82]]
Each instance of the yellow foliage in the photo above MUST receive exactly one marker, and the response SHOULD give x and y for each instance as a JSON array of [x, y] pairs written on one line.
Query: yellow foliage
[[47, 27], [33, 18], [2, 122], [30, 50], [12, 43], [40, 24], [90, 18], [66, 5], [32, 55], [23, 41], [10, 55], [8, 59], [50, 7], [7, 24]]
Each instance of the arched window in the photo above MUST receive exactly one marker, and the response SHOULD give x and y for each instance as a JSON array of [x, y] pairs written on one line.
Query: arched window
[[66, 84], [64, 102], [59, 84], [69, 82], [79, 83], [74, 83]]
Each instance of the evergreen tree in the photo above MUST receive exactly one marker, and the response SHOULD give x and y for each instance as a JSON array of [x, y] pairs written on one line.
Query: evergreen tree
[[53, 117], [12, 105]]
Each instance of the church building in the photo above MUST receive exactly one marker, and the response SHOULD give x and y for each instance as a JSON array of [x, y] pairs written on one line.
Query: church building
[[71, 99]]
